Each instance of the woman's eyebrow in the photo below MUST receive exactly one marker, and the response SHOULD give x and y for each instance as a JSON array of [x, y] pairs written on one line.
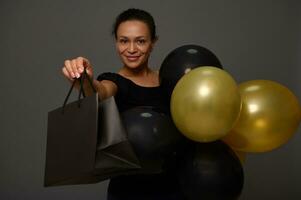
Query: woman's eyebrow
[[140, 37], [136, 38]]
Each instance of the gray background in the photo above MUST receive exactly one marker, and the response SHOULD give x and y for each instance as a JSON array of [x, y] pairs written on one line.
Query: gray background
[[254, 40]]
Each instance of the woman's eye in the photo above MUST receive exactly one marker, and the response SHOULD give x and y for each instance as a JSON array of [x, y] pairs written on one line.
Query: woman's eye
[[141, 41], [123, 41]]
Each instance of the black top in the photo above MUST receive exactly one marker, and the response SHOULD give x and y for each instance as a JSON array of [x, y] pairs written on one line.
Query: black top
[[130, 95]]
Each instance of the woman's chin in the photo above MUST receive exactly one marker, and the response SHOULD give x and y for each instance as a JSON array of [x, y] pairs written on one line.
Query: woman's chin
[[132, 65]]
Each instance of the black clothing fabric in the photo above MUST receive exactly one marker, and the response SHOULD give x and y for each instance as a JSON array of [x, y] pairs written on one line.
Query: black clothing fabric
[[142, 186], [131, 95]]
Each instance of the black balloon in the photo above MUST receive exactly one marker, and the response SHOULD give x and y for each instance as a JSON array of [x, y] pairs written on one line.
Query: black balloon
[[183, 59], [153, 135], [210, 171]]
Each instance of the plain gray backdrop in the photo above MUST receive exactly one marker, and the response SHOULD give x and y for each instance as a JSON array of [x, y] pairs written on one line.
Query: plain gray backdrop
[[254, 39]]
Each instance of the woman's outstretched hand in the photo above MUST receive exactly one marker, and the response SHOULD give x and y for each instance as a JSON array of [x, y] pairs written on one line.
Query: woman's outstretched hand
[[75, 67]]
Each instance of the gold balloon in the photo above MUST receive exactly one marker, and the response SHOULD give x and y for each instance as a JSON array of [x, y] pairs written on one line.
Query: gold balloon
[[205, 104], [269, 117]]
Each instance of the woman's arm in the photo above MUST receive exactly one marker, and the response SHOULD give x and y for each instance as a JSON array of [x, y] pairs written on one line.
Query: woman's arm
[[105, 88], [75, 68]]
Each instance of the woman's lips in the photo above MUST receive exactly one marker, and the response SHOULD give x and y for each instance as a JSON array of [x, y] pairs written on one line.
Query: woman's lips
[[132, 58]]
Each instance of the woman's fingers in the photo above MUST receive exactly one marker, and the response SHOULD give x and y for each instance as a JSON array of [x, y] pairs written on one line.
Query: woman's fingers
[[84, 63], [66, 74], [80, 63], [75, 67], [69, 69]]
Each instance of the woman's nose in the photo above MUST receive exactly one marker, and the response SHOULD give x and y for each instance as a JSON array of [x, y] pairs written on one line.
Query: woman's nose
[[132, 47]]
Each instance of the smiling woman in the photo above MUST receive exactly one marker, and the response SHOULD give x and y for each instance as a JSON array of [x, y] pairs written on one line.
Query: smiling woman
[[135, 34], [135, 84], [134, 44]]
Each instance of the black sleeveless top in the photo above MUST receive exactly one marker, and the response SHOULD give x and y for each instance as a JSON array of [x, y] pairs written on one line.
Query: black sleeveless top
[[130, 95]]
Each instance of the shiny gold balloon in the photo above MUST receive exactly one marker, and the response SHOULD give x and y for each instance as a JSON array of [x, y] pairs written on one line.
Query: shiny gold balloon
[[205, 104], [269, 117]]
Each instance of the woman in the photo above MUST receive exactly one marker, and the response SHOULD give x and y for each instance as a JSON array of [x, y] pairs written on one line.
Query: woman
[[135, 84]]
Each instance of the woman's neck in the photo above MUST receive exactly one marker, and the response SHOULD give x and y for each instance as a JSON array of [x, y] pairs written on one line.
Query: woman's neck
[[137, 72]]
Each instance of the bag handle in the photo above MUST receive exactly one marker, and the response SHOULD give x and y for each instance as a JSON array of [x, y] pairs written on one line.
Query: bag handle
[[81, 91]]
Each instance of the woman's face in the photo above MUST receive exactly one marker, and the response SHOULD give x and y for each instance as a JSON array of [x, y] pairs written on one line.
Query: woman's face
[[134, 43]]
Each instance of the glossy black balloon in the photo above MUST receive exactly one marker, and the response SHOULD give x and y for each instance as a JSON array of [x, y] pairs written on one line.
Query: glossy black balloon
[[183, 59], [153, 135], [210, 171]]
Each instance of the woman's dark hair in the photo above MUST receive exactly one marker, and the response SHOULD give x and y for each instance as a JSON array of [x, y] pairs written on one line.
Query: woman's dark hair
[[136, 14]]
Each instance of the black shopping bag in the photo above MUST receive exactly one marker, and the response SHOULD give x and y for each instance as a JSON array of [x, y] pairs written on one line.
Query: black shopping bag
[[86, 142]]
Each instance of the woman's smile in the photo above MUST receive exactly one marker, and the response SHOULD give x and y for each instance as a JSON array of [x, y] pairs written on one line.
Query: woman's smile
[[133, 58]]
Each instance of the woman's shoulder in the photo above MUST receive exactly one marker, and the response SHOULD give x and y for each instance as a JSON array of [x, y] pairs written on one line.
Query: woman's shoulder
[[122, 84], [111, 76]]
